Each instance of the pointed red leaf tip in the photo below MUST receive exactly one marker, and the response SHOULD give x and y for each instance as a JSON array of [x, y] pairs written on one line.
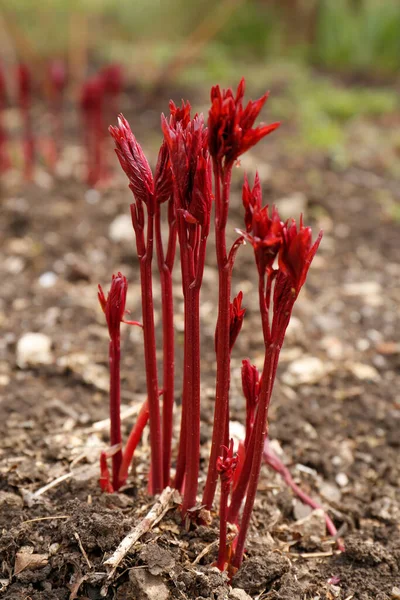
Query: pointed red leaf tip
[[114, 305], [250, 384], [186, 140], [230, 126], [236, 318], [297, 252], [227, 463], [112, 79], [24, 84], [133, 161], [263, 232]]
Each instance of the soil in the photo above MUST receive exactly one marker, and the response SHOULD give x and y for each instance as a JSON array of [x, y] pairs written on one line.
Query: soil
[[337, 429]]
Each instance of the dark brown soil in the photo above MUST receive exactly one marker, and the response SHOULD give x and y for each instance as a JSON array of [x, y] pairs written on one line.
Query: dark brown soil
[[338, 430]]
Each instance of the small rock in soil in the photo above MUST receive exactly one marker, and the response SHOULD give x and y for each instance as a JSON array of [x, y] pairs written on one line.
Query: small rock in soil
[[308, 369], [157, 559], [238, 594], [146, 586], [395, 594], [10, 500], [312, 525], [364, 372], [301, 510], [33, 349], [292, 206], [121, 229], [256, 574]]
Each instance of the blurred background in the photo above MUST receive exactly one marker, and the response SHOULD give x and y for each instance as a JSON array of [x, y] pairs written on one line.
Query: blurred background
[[341, 57]]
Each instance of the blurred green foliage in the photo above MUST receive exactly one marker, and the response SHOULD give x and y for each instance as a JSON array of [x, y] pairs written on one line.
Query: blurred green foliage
[[345, 35]]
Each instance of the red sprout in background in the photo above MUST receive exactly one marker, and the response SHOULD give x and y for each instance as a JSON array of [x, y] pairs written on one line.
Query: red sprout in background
[[57, 77], [25, 104], [114, 309], [230, 134], [91, 102], [113, 83], [141, 183], [293, 246], [5, 162], [226, 466], [191, 171], [273, 461]]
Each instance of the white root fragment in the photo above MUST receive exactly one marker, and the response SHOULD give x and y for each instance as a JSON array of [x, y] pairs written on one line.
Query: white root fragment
[[157, 512]]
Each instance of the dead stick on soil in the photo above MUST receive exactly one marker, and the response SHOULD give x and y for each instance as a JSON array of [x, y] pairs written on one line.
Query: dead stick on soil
[[45, 519], [82, 549], [157, 512], [52, 484]]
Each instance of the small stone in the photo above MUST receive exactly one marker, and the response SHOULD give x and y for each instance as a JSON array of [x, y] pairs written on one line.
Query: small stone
[[342, 479], [364, 372], [8, 499], [92, 196], [157, 559], [306, 370], [292, 206], [395, 593], [33, 349], [121, 229], [48, 279], [148, 586], [312, 525], [238, 594], [330, 492], [300, 510], [363, 288]]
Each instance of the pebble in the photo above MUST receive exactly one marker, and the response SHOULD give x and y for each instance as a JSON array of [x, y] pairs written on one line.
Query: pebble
[[92, 196], [33, 349], [308, 369], [313, 524], [395, 593], [48, 279], [148, 586], [364, 372], [300, 510], [330, 492], [342, 479], [238, 594], [121, 229], [292, 206], [8, 499]]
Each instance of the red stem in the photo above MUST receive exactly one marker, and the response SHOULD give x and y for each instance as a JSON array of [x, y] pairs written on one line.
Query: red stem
[[167, 301], [133, 440], [115, 408], [193, 403], [145, 254], [220, 435], [260, 431], [273, 461], [223, 514]]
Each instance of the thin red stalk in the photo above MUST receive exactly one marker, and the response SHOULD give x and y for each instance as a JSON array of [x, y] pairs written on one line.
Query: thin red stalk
[[221, 412], [273, 461], [260, 431], [223, 515], [133, 440], [115, 408], [187, 362], [145, 253], [240, 488], [167, 301]]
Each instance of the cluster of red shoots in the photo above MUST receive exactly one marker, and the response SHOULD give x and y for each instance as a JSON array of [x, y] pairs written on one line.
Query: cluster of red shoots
[[99, 103], [190, 156], [99, 100]]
